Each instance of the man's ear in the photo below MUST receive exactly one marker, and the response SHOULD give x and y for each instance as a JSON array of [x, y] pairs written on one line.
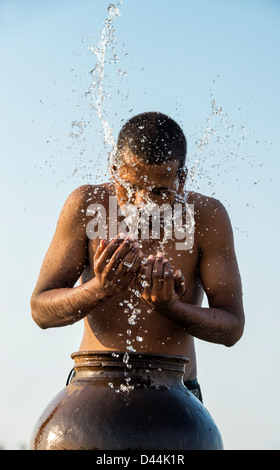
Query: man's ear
[[183, 173]]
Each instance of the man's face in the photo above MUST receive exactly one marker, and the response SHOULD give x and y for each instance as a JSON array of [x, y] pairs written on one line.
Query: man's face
[[140, 183]]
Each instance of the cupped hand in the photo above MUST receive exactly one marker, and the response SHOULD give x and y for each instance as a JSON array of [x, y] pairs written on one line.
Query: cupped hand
[[116, 264], [160, 288]]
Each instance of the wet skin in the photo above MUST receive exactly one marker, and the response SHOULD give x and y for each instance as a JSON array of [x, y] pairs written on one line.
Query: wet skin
[[169, 313]]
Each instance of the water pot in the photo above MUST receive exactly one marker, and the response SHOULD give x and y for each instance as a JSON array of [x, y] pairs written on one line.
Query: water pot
[[118, 404]]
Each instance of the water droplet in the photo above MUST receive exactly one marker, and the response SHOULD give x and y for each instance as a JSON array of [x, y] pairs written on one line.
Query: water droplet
[[129, 265]]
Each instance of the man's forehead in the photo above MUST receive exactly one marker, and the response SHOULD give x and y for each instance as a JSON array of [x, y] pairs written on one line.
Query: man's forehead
[[128, 158], [136, 165], [130, 161]]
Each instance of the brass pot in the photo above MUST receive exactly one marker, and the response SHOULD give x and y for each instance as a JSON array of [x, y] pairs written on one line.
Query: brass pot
[[113, 404]]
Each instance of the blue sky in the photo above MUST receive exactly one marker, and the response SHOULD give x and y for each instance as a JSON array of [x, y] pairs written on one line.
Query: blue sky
[[172, 57]]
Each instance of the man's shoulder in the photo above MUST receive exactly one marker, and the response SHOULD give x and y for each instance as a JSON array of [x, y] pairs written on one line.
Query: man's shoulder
[[87, 194], [77, 203], [206, 206], [210, 215]]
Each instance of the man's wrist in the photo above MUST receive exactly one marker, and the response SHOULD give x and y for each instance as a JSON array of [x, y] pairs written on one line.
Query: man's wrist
[[169, 308], [102, 292]]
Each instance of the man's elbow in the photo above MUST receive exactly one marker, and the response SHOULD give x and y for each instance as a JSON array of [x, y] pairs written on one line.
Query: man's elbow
[[36, 313], [235, 334]]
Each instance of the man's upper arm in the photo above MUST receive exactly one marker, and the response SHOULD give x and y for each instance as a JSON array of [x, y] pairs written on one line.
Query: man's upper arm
[[218, 267], [67, 254]]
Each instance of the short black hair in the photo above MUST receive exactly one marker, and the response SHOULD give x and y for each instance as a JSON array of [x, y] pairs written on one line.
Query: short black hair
[[153, 137]]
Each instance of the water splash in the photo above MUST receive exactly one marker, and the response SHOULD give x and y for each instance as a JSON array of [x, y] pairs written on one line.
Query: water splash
[[97, 91], [205, 140], [105, 51], [222, 155]]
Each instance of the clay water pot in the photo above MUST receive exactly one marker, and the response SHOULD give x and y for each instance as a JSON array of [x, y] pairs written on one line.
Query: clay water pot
[[113, 405]]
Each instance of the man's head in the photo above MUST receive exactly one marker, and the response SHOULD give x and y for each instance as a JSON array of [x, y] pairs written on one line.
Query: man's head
[[151, 154], [153, 137]]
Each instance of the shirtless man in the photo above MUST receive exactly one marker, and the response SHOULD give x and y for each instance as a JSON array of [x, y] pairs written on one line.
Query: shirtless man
[[149, 166]]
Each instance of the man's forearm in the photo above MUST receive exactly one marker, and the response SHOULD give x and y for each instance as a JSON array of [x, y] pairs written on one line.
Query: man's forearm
[[209, 324], [65, 306]]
